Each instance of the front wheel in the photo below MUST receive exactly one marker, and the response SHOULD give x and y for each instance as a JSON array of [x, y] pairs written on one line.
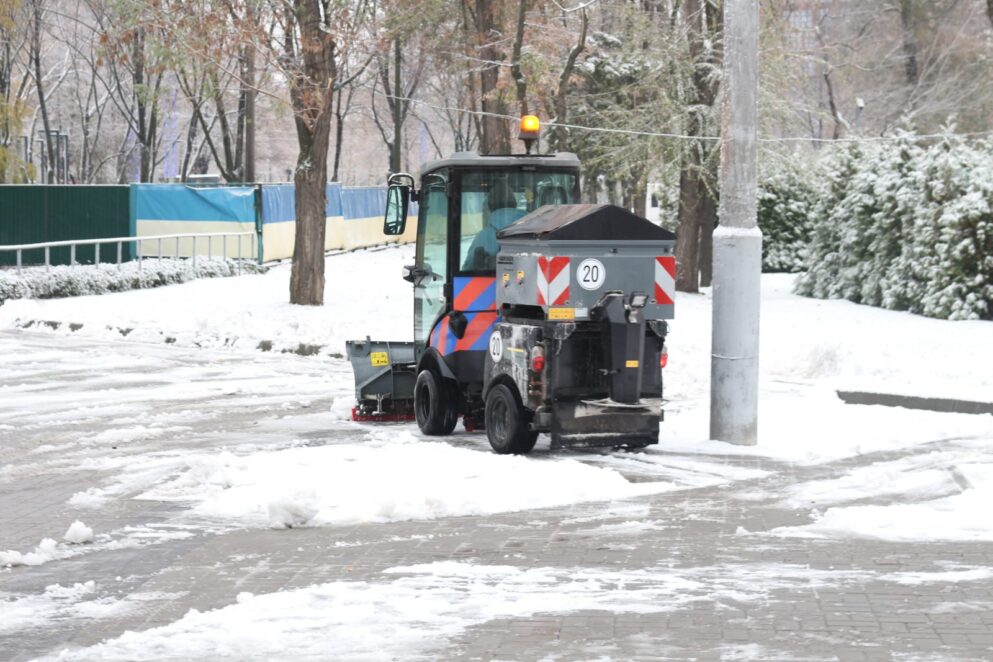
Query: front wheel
[[506, 422], [434, 405]]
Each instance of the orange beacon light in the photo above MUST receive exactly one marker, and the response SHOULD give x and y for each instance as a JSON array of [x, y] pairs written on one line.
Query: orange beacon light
[[530, 131]]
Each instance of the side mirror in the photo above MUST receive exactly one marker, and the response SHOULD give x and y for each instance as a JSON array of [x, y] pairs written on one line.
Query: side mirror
[[412, 273], [397, 201]]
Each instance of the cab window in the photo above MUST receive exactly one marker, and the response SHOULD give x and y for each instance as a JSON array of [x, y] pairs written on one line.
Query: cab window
[[494, 200]]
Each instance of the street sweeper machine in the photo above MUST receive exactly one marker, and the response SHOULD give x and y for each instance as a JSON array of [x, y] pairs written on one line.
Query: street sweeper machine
[[532, 313]]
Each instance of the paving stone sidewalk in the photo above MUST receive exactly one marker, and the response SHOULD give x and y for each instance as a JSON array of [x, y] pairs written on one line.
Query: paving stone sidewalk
[[835, 600]]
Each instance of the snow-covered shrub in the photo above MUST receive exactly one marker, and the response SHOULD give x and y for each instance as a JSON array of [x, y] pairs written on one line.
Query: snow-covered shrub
[[785, 199], [824, 256], [905, 227], [80, 280], [953, 251]]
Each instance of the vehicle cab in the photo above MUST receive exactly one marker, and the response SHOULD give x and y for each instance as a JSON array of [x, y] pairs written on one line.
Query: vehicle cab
[[464, 200]]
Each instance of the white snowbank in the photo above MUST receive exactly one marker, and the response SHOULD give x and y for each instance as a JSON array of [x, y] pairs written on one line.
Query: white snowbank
[[964, 516], [78, 533], [423, 606], [244, 311], [394, 476]]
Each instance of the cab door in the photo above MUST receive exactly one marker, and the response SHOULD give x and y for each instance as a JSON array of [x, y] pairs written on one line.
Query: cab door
[[431, 259]]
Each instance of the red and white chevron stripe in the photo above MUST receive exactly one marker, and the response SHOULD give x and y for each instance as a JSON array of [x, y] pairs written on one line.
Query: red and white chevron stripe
[[665, 279], [553, 281]]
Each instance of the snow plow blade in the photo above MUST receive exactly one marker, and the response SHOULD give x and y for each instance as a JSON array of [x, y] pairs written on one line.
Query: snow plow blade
[[384, 380], [604, 423]]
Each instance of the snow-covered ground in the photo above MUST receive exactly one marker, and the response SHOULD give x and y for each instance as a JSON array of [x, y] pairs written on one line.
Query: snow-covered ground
[[364, 295], [150, 426]]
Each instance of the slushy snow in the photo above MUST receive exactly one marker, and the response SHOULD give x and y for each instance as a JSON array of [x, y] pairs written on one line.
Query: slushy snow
[[392, 476], [421, 607]]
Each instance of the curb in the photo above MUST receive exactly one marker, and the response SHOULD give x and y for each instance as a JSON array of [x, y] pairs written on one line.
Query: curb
[[301, 349], [945, 405]]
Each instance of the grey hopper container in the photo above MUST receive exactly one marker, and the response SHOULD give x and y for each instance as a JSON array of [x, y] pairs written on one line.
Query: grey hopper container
[[564, 258]]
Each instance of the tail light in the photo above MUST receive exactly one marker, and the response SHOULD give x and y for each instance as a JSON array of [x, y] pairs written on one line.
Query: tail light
[[538, 359], [664, 357]]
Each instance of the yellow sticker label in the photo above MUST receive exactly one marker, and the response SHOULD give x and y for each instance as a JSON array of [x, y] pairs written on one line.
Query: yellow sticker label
[[379, 358], [506, 278], [561, 313], [520, 276], [631, 364]]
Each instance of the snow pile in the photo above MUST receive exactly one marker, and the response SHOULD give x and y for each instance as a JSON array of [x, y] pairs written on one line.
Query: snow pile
[[81, 280], [78, 533], [906, 227], [423, 606], [47, 550], [963, 516], [394, 477]]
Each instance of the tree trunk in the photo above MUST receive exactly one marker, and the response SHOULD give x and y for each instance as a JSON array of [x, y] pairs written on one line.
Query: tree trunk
[[398, 108], [250, 94], [708, 221], [520, 83], [339, 134], [909, 42], [696, 204], [312, 95], [310, 196], [561, 107], [989, 10], [42, 102], [495, 138], [688, 232]]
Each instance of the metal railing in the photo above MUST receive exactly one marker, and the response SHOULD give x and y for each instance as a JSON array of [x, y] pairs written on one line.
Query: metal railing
[[164, 241]]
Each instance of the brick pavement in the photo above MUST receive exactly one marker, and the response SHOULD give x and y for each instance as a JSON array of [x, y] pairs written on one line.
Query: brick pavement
[[850, 609]]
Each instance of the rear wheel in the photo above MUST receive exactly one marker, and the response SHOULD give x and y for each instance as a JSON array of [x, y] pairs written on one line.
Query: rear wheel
[[435, 405], [506, 422]]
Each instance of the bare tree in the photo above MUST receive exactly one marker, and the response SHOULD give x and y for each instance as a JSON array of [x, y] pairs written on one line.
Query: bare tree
[[400, 85], [315, 37]]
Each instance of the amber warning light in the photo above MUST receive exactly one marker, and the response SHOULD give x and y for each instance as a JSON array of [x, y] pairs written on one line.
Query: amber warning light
[[530, 130]]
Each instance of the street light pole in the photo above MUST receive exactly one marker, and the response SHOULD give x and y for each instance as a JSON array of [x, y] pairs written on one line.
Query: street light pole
[[737, 240]]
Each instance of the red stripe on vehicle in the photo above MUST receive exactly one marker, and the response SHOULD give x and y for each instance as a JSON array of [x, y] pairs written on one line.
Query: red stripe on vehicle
[[471, 291], [477, 326]]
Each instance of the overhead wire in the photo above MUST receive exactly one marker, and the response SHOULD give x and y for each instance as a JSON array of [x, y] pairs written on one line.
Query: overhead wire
[[679, 136]]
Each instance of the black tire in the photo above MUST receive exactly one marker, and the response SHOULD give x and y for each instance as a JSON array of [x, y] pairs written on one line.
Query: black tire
[[506, 422], [434, 405]]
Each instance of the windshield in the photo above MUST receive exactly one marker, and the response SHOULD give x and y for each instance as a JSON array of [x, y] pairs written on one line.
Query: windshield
[[494, 199]]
